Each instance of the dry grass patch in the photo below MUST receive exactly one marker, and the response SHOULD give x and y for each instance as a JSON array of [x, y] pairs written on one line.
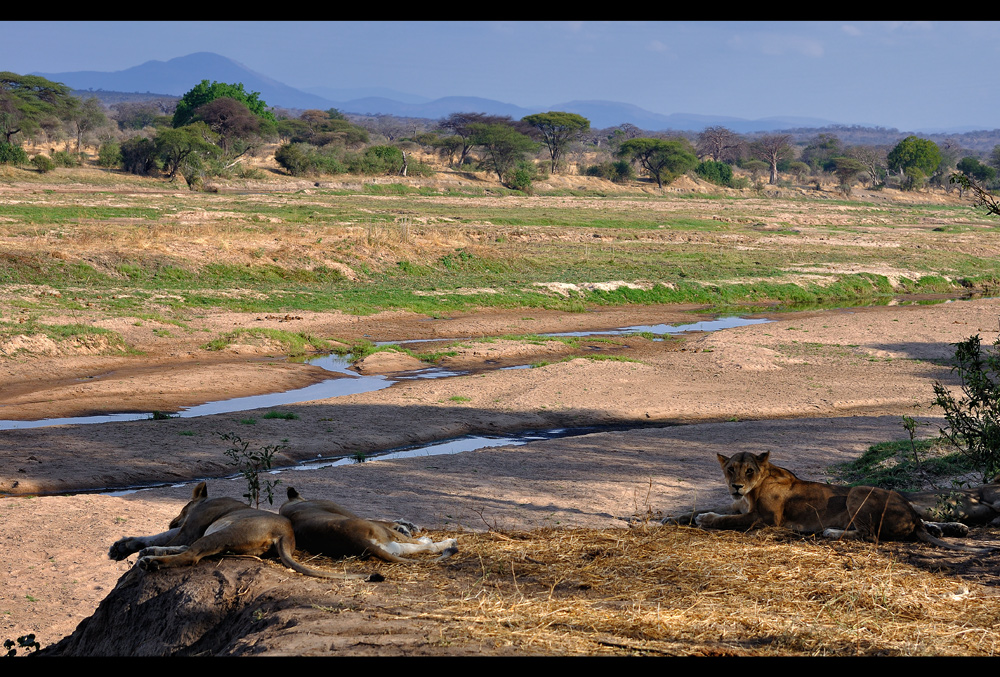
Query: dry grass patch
[[682, 591]]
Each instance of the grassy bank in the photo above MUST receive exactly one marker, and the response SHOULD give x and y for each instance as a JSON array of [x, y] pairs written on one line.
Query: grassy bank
[[126, 250]]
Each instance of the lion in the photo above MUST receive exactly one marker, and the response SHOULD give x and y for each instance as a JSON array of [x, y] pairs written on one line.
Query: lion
[[767, 495], [208, 527], [969, 505], [324, 527]]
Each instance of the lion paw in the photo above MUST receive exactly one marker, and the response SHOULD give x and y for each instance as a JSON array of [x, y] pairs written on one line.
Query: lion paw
[[406, 528], [121, 549], [706, 519], [148, 564]]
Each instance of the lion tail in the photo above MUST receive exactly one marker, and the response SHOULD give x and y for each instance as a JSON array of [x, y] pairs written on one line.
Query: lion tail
[[922, 534], [285, 554]]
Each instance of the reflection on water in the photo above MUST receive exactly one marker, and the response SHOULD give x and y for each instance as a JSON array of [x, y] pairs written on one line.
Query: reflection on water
[[453, 446]]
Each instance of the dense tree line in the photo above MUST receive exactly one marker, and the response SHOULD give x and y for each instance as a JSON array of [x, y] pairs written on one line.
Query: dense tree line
[[214, 126]]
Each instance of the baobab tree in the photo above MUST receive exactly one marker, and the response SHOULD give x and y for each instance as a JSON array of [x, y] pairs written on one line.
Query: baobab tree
[[772, 149]]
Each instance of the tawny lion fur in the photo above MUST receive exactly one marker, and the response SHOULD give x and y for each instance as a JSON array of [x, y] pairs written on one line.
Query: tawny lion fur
[[208, 527], [324, 527], [767, 495]]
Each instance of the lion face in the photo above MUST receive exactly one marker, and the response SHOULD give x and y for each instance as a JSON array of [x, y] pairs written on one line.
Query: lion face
[[743, 472]]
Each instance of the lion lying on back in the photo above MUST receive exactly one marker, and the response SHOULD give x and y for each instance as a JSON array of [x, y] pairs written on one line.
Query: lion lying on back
[[324, 527], [766, 495]]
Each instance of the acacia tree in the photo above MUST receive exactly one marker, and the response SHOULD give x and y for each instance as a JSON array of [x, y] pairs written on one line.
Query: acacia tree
[[847, 169], [189, 143], [504, 147], [772, 149], [460, 124], [558, 129], [87, 116], [25, 100], [662, 159]]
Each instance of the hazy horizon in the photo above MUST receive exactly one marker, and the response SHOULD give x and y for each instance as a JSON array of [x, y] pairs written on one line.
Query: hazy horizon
[[907, 75]]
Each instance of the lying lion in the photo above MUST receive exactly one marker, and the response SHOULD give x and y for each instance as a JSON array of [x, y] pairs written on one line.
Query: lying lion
[[970, 505], [208, 527], [766, 495], [323, 527]]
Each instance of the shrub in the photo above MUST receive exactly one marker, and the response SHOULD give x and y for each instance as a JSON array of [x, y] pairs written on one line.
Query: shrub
[[974, 420], [43, 163], [139, 156], [521, 176], [12, 154], [109, 154], [377, 160], [718, 173], [62, 158], [301, 159], [915, 178], [619, 171]]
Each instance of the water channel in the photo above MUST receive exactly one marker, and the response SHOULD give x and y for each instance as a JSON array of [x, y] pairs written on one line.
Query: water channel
[[352, 383]]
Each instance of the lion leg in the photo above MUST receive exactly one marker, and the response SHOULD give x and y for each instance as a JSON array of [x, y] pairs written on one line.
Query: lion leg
[[158, 551], [131, 544], [232, 538], [947, 529], [850, 534], [712, 520]]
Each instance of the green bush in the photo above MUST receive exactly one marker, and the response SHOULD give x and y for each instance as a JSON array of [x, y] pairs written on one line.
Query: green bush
[[302, 159], [43, 163], [718, 173], [974, 420], [12, 154], [62, 158], [619, 171], [139, 156], [914, 178], [376, 161], [109, 154], [521, 176]]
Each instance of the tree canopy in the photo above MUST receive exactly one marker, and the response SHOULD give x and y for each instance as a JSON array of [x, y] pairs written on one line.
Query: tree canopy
[[972, 167], [662, 159], [504, 147], [25, 100], [558, 129], [206, 92], [772, 149], [914, 153]]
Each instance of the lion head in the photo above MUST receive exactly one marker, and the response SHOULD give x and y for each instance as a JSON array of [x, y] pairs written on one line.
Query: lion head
[[743, 471]]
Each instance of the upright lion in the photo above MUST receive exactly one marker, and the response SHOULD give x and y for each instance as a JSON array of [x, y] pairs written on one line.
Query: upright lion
[[767, 495]]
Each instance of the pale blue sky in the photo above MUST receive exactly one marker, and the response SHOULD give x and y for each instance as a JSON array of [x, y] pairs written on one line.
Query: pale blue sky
[[904, 74]]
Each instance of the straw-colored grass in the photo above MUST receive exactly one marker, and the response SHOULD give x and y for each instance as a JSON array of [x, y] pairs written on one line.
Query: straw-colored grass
[[682, 591]]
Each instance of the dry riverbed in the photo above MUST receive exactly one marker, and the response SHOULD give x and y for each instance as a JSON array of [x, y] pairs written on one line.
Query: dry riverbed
[[814, 388]]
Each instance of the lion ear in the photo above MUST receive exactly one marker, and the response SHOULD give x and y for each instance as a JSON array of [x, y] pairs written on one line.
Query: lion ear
[[200, 491], [291, 493], [763, 457], [723, 460]]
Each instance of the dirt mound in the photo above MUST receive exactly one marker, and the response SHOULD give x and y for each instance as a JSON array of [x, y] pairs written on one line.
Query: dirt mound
[[243, 607]]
